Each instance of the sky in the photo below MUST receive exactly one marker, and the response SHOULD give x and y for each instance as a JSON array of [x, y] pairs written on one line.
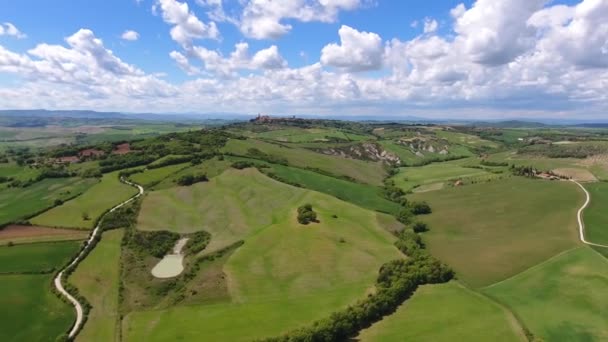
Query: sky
[[477, 59]]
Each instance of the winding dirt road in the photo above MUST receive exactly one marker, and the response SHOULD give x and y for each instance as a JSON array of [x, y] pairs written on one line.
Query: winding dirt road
[[581, 223], [96, 231]]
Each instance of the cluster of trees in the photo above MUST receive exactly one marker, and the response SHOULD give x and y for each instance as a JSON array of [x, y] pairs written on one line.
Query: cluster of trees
[[156, 244], [123, 161], [306, 215], [411, 209], [396, 282], [197, 242], [485, 162], [281, 179], [124, 216], [190, 179], [243, 164], [525, 171], [580, 150]]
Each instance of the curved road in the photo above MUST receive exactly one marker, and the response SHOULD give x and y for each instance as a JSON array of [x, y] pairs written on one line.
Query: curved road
[[59, 285], [581, 224]]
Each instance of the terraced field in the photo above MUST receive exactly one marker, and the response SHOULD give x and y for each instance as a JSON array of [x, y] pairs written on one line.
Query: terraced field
[[283, 267], [98, 199]]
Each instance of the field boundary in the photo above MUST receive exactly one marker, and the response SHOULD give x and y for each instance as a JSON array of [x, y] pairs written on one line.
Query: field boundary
[[533, 267], [510, 315], [579, 216], [81, 255]]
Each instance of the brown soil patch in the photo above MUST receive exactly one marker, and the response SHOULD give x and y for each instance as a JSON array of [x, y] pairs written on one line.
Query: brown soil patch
[[91, 152], [122, 149], [21, 233], [70, 159], [581, 175]]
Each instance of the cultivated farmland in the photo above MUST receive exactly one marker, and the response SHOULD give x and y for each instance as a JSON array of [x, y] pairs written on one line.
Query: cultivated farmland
[[489, 232], [596, 214], [564, 298], [97, 278], [446, 312], [36, 257], [84, 211], [20, 203]]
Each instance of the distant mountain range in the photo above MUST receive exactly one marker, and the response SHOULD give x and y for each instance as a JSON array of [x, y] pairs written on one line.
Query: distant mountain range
[[196, 117]]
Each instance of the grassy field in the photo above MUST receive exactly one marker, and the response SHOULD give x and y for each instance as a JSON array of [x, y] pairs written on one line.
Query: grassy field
[[151, 177], [362, 171], [466, 139], [19, 234], [596, 214], [97, 279], [36, 257], [284, 276], [411, 159], [539, 162], [309, 134], [564, 299], [22, 173], [97, 200], [30, 311], [366, 196], [446, 312], [20, 203], [409, 177], [212, 167], [489, 232]]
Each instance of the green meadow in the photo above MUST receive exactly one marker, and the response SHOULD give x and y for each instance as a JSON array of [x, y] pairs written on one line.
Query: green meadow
[[97, 279], [21, 203], [446, 312], [93, 203], [284, 276], [363, 171], [297, 135], [366, 196], [491, 231], [30, 311], [151, 177], [410, 177], [211, 167], [595, 215], [563, 299], [36, 257]]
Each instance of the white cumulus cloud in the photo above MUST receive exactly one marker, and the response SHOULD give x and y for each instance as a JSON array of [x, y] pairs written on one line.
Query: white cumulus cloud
[[186, 25], [130, 35], [9, 29], [357, 51]]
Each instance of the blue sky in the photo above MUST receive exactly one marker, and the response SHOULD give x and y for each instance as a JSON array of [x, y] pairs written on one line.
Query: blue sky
[[483, 58]]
